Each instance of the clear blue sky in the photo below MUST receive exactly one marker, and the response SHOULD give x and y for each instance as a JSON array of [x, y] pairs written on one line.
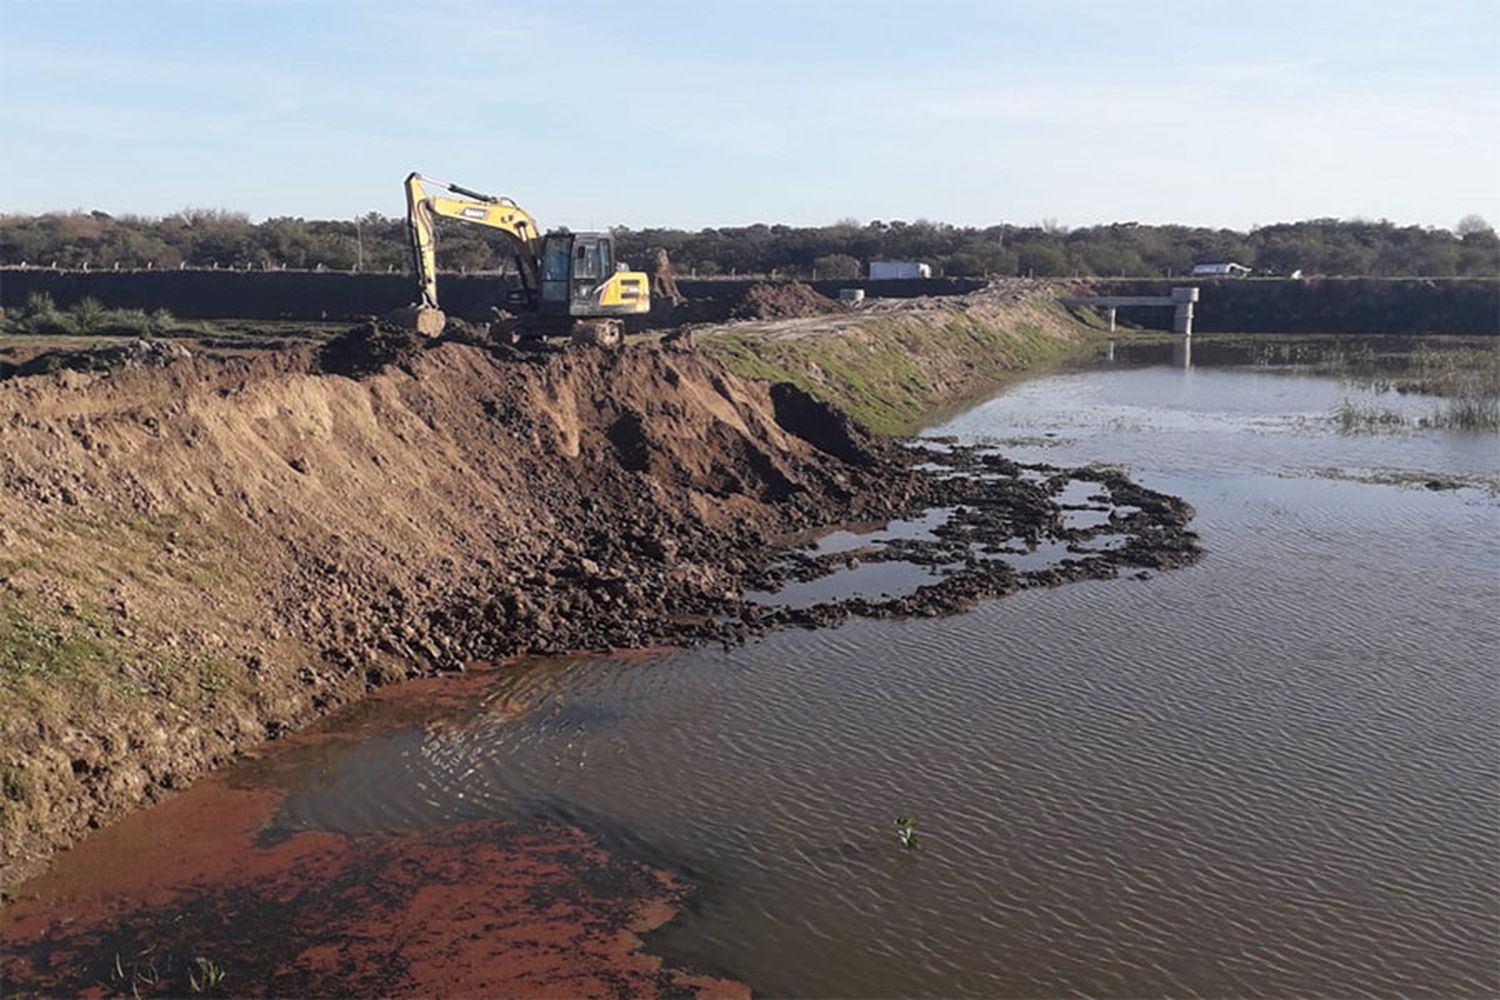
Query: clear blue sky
[[700, 113]]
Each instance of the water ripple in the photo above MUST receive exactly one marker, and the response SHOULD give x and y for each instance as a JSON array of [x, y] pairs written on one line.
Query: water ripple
[[1271, 774]]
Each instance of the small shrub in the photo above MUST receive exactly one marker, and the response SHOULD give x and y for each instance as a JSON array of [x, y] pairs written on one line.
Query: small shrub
[[127, 323], [52, 323], [40, 315], [38, 304], [88, 314]]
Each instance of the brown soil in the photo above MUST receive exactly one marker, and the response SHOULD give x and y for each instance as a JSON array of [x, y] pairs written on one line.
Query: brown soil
[[783, 301], [196, 557]]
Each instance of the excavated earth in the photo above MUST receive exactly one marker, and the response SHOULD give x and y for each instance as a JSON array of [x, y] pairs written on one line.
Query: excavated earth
[[783, 301], [207, 554]]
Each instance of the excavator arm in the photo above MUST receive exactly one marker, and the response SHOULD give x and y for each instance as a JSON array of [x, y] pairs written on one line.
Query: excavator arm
[[423, 209]]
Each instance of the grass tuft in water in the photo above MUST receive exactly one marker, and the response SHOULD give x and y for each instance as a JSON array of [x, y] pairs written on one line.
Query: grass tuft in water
[[1470, 412], [1353, 418], [906, 833], [1475, 412]]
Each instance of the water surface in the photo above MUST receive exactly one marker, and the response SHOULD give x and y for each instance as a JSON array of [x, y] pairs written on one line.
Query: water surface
[[1273, 773]]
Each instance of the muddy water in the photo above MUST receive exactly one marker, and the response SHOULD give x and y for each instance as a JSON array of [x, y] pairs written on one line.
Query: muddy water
[[1273, 773]]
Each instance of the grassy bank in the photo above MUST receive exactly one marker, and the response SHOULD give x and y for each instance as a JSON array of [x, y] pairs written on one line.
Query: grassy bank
[[893, 370]]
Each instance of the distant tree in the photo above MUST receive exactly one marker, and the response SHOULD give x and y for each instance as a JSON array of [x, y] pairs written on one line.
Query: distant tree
[[1043, 260], [1473, 225], [200, 237], [836, 265]]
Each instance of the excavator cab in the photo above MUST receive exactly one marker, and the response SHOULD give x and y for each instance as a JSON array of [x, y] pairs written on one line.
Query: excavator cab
[[580, 277]]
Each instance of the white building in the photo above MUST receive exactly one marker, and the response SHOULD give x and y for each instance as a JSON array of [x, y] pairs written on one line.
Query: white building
[[886, 269]]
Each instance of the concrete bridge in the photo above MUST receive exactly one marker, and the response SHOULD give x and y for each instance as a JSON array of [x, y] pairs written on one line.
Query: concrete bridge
[[1181, 300]]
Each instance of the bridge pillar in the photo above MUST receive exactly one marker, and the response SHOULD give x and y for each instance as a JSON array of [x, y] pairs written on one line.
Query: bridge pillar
[[1182, 312], [1111, 319]]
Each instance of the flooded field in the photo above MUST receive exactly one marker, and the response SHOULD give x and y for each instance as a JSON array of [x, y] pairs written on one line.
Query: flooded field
[[1271, 773]]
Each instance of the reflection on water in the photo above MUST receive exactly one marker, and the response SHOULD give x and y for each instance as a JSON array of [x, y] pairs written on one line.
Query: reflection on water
[[1273, 773]]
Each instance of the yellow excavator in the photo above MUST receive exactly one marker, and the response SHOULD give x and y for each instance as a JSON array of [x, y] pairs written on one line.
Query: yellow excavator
[[570, 283]]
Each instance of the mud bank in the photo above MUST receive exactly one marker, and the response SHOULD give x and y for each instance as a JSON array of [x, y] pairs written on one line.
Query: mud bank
[[199, 557]]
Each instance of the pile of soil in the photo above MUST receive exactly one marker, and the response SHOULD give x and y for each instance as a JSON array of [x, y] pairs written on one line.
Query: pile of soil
[[367, 349], [216, 551], [783, 301]]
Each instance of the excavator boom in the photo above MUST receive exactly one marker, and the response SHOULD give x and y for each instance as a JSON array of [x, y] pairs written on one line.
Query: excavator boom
[[481, 209]]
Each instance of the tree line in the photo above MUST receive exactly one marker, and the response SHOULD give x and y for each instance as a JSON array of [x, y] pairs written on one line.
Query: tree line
[[374, 242]]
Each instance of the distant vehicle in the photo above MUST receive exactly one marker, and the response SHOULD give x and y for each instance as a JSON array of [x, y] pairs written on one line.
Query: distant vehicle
[[1221, 269], [883, 270]]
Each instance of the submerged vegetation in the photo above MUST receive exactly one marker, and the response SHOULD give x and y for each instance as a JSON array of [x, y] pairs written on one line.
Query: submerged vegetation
[[1462, 377], [1435, 482], [1466, 412], [1465, 382], [1471, 413]]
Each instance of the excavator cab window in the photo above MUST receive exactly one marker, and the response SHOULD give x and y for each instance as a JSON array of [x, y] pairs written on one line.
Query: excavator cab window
[[585, 259], [557, 251]]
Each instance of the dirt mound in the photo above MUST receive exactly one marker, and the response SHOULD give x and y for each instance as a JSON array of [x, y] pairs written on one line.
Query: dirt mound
[[783, 301], [198, 556], [367, 349]]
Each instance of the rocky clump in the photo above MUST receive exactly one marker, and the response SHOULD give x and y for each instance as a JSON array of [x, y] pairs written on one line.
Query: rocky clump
[[140, 353], [1002, 513]]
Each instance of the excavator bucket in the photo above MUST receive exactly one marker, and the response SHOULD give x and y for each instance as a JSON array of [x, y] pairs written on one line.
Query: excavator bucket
[[427, 321]]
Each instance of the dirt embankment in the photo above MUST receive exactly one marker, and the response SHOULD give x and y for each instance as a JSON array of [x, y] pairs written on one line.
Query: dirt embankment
[[196, 557], [892, 363]]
